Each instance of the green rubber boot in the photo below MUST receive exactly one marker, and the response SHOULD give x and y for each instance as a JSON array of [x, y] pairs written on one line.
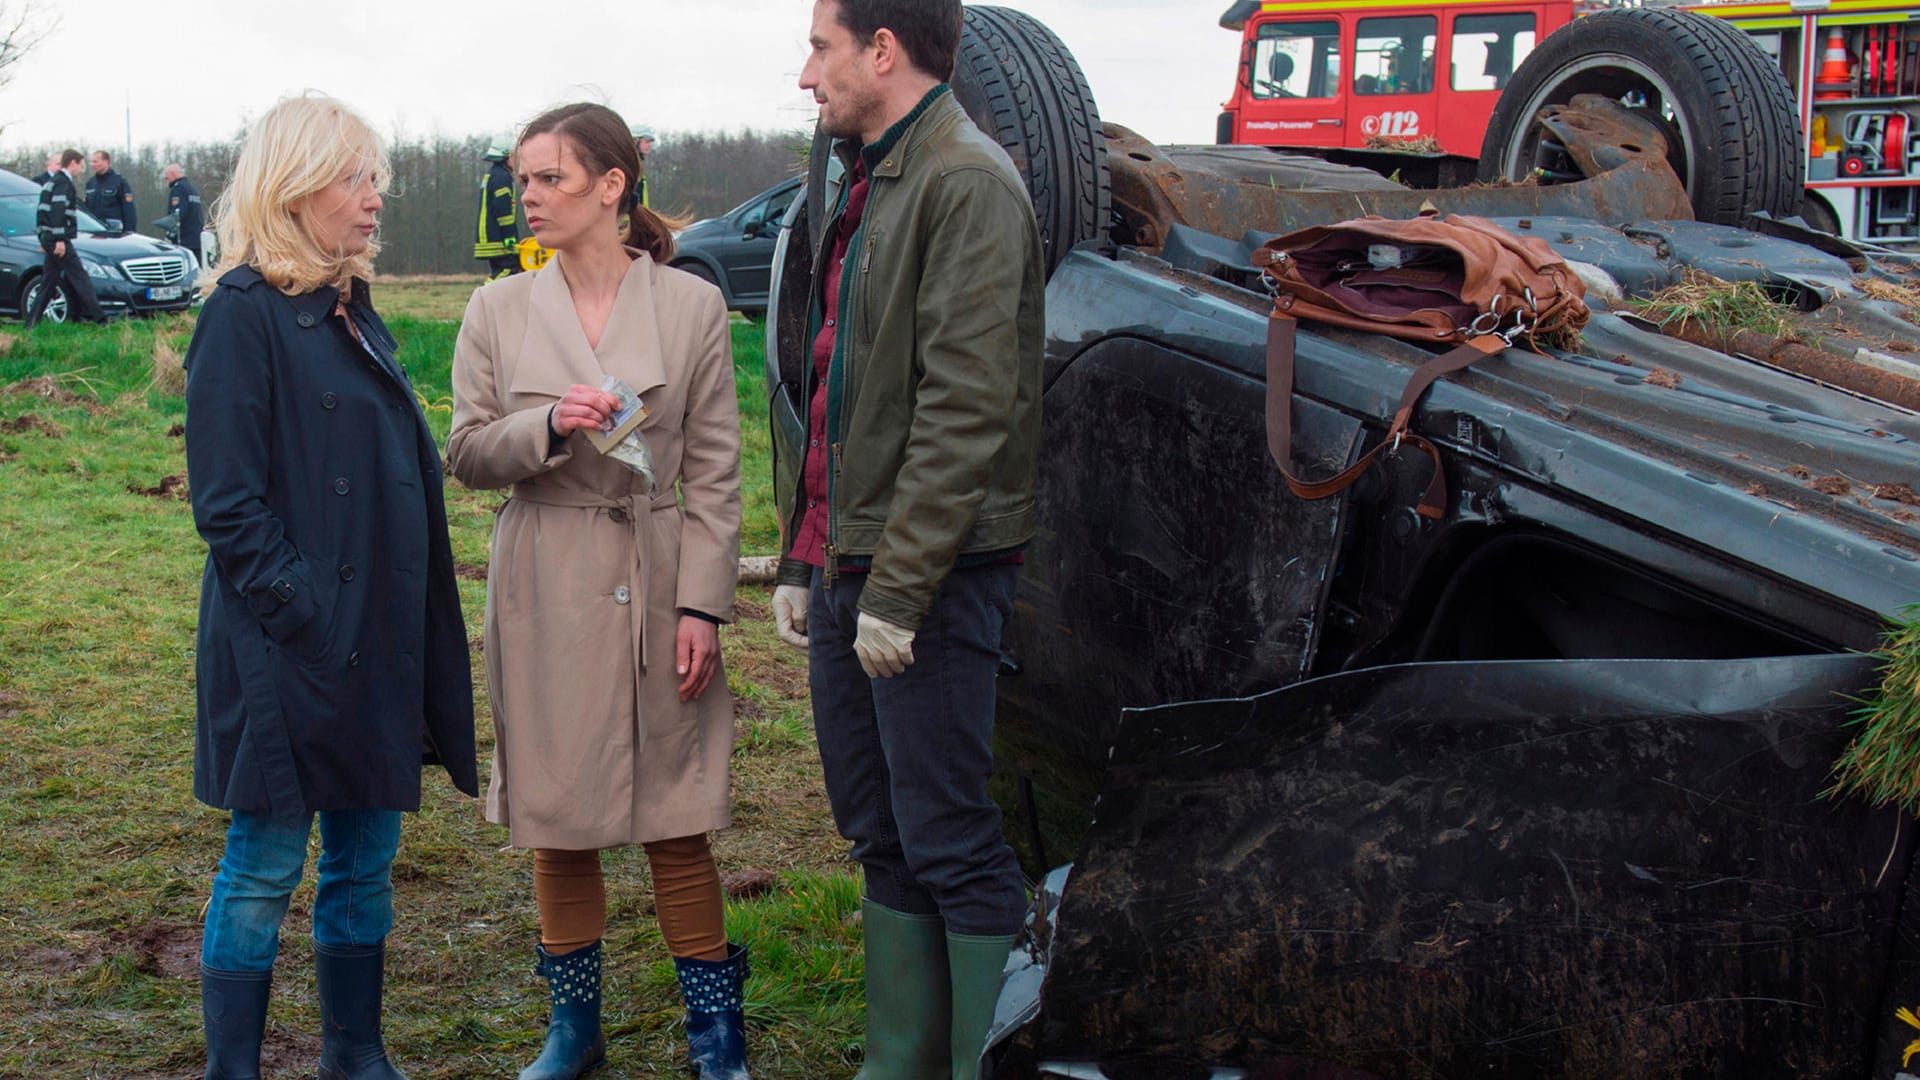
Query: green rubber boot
[[908, 1013], [975, 962]]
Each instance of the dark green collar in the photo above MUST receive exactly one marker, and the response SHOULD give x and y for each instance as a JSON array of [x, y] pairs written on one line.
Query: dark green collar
[[874, 154]]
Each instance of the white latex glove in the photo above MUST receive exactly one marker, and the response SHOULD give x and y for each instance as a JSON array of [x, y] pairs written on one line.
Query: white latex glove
[[790, 614], [885, 650]]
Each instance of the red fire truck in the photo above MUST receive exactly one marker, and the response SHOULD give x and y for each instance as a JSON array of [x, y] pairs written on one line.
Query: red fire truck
[[1314, 74], [1416, 88]]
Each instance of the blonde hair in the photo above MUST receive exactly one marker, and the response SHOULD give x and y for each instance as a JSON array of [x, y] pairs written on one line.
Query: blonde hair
[[302, 145]]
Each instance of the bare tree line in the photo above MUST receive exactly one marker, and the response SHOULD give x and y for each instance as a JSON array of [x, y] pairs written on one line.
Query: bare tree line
[[21, 28], [429, 222]]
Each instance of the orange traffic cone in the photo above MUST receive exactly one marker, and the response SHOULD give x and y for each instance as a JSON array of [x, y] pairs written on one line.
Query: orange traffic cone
[[1835, 78]]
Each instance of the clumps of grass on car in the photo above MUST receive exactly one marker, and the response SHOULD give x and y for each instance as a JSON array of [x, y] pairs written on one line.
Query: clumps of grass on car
[[1700, 301], [1906, 296], [1882, 764]]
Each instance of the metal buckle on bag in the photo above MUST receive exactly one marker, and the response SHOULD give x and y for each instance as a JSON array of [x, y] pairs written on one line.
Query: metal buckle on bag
[[1487, 322], [1520, 326]]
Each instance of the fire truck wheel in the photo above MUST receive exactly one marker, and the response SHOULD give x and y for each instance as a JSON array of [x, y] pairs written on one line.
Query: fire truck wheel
[[1734, 137], [1022, 87]]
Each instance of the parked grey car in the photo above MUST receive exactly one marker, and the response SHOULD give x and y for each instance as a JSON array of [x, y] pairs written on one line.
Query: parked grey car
[[131, 274], [735, 250]]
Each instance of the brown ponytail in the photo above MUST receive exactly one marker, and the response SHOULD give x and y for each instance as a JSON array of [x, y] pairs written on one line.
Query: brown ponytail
[[650, 232], [600, 138]]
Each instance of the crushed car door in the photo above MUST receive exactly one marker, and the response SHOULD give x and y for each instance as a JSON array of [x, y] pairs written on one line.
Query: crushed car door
[[1170, 559], [1557, 868]]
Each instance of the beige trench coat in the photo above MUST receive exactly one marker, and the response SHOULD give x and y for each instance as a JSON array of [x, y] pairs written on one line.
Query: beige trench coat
[[592, 747]]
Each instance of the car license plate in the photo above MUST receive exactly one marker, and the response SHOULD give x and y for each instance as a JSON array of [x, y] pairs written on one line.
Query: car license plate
[[164, 292]]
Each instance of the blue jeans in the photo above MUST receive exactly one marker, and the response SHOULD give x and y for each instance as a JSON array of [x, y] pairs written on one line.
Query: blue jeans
[[906, 759], [264, 859]]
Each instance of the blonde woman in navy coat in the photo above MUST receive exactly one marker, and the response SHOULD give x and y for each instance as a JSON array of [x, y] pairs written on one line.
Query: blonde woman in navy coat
[[332, 658]]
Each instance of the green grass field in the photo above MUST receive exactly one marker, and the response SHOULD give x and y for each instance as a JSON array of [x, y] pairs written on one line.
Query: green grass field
[[107, 858]]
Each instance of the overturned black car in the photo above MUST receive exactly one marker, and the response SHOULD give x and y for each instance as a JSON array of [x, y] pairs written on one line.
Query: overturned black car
[[1532, 789]]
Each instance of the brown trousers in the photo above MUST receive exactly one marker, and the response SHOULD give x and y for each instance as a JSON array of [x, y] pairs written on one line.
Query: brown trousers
[[571, 893]]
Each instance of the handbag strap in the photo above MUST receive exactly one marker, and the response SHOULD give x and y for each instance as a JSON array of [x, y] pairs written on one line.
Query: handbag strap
[[1281, 330]]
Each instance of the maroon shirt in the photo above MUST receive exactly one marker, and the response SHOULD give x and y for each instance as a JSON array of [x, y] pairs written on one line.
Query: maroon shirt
[[810, 545]]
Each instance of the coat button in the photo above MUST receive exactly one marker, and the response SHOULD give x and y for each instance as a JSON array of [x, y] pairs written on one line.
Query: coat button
[[328, 400], [353, 659], [305, 320], [341, 487], [617, 514], [621, 595], [346, 572]]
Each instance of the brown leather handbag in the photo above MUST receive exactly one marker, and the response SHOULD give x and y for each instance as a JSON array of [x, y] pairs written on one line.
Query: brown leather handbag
[[1456, 279]]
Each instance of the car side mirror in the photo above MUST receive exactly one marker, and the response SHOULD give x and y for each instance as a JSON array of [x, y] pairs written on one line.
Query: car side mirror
[[762, 230]]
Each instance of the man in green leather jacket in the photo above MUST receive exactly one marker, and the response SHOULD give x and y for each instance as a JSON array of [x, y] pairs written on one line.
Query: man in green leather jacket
[[905, 530]]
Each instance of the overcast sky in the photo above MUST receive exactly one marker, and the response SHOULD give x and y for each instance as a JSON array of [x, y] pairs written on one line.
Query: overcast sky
[[197, 71]]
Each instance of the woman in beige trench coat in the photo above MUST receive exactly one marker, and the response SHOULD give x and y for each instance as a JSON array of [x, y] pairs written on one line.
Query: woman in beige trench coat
[[612, 720]]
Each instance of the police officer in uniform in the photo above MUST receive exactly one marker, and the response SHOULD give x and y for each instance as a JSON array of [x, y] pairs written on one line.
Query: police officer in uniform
[[56, 224], [183, 206], [496, 239], [108, 196]]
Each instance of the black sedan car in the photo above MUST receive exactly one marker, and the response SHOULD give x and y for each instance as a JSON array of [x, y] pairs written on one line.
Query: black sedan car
[[132, 274], [735, 250]]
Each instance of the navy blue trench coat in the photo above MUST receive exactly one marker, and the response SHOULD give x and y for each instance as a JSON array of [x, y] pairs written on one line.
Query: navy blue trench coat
[[332, 655]]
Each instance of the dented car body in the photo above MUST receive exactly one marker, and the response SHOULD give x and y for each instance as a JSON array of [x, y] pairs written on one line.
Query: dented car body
[[1531, 789]]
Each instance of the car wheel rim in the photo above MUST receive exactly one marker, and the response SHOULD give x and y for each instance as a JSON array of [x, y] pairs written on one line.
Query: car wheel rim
[[56, 307], [1622, 78]]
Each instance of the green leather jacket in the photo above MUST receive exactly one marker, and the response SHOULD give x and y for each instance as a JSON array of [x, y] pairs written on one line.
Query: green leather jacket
[[933, 390]]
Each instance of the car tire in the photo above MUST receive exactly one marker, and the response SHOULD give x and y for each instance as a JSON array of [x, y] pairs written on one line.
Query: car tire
[[57, 308], [1819, 214], [1021, 86], [1734, 136]]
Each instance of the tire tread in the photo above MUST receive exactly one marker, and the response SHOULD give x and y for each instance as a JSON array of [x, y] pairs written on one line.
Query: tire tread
[[1021, 85]]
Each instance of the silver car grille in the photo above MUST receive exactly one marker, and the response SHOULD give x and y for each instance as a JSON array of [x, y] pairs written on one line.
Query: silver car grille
[[156, 270]]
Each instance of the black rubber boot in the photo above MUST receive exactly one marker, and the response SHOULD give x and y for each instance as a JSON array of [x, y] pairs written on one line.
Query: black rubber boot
[[715, 993], [351, 983], [233, 1006], [575, 1044]]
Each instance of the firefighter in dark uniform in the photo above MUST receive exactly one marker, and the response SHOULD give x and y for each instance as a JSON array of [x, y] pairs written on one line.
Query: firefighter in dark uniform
[[184, 208], [497, 240], [57, 224], [108, 196], [643, 143]]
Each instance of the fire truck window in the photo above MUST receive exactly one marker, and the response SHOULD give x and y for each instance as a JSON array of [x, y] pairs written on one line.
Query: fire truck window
[[1486, 49], [1296, 60], [1395, 55]]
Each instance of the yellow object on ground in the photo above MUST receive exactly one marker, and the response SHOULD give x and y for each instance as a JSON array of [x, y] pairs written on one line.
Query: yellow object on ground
[[532, 255]]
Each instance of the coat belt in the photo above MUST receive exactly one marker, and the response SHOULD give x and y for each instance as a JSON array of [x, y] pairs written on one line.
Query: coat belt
[[618, 508]]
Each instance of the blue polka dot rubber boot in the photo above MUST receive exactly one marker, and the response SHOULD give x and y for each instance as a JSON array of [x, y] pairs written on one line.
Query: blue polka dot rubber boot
[[575, 1044], [715, 993]]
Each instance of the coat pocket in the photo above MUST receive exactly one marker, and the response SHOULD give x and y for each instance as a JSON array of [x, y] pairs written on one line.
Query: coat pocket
[[308, 641]]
